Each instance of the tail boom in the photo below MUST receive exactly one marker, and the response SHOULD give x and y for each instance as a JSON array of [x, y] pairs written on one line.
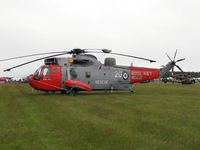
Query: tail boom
[[140, 74]]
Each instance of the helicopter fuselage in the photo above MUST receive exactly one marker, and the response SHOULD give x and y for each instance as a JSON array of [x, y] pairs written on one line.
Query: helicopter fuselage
[[85, 72]]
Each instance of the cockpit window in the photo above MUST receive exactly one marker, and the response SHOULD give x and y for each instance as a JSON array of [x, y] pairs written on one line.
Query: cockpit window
[[87, 74], [39, 71], [56, 69], [46, 72]]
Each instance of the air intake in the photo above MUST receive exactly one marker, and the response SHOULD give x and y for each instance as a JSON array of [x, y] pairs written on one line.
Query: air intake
[[50, 61], [110, 62]]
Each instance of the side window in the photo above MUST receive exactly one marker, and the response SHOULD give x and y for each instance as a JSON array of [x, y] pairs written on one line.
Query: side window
[[73, 73], [46, 72], [56, 69], [87, 74]]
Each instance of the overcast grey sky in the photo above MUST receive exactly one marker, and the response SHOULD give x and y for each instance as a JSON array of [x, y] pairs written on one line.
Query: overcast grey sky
[[145, 28]]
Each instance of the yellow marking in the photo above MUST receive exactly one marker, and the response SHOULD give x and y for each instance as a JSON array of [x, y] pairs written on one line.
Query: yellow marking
[[70, 60]]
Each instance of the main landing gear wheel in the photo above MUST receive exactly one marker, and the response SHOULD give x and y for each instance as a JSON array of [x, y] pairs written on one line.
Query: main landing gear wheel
[[72, 92]]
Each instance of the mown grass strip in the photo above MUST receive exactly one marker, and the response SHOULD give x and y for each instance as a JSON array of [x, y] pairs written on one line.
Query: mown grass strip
[[158, 116]]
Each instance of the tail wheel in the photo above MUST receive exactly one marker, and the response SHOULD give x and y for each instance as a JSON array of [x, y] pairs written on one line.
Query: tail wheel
[[193, 82], [131, 92]]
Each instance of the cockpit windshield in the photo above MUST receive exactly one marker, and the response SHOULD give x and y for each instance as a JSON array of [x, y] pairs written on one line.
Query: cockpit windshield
[[43, 71], [39, 71], [46, 71]]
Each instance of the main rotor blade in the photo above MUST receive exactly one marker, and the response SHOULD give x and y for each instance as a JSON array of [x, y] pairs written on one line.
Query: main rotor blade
[[18, 57], [180, 60], [125, 56], [168, 56], [104, 50], [179, 68], [98, 49], [175, 54], [34, 61], [133, 57]]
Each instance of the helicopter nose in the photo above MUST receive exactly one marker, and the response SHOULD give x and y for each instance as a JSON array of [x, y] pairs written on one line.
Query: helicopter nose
[[30, 80]]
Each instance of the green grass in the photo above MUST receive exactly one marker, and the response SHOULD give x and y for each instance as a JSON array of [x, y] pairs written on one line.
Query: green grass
[[158, 117]]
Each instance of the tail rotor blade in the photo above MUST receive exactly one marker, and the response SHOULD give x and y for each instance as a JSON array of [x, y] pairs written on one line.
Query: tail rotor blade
[[180, 60], [179, 68], [175, 54], [168, 56]]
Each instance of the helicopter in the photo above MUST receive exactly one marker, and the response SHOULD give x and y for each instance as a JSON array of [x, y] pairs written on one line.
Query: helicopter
[[84, 72], [2, 79]]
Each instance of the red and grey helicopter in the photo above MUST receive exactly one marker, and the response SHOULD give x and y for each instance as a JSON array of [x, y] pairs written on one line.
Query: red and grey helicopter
[[83, 71]]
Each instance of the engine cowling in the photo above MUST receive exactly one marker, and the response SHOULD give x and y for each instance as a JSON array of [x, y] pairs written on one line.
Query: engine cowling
[[110, 61]]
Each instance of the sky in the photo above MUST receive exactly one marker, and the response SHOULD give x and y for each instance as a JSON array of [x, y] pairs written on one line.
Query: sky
[[144, 28]]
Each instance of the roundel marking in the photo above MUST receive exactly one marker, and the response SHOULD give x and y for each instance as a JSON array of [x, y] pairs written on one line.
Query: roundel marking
[[125, 75]]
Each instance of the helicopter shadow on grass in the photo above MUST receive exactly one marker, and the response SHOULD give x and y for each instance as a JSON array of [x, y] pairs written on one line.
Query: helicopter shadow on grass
[[103, 93], [87, 93]]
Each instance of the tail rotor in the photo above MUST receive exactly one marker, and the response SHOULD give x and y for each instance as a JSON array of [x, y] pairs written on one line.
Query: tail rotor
[[174, 61]]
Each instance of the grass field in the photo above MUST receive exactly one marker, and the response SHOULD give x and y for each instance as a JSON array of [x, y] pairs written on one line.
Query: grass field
[[158, 117]]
